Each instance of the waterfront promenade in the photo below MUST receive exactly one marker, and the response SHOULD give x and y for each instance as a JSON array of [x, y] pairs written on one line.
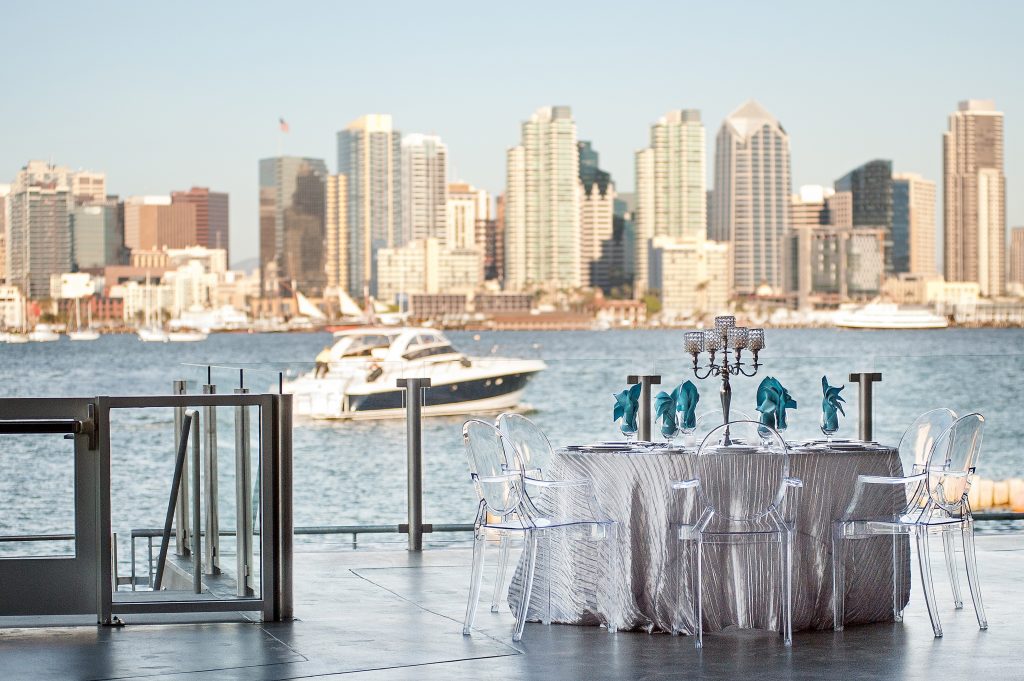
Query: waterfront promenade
[[388, 614]]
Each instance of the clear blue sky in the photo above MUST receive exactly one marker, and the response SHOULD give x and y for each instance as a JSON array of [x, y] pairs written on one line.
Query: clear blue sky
[[163, 96]]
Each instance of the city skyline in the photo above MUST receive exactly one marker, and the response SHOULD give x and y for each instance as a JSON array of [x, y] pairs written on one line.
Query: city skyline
[[203, 115]]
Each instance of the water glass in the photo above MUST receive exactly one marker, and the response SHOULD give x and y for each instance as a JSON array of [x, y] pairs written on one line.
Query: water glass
[[828, 430]]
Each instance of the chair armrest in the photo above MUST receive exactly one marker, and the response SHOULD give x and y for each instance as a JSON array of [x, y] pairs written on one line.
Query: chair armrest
[[511, 475], [793, 482], [886, 480], [686, 484], [537, 482]]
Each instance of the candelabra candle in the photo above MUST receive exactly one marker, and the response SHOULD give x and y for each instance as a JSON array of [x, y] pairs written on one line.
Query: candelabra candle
[[713, 340], [724, 322], [737, 337], [755, 339], [694, 342]]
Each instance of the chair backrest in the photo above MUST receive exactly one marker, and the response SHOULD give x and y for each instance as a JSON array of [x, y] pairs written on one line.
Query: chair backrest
[[530, 442], [743, 481], [708, 421], [917, 442], [498, 480], [953, 460]]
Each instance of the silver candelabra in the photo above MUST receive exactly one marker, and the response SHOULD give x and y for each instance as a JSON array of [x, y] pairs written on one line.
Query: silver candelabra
[[725, 337]]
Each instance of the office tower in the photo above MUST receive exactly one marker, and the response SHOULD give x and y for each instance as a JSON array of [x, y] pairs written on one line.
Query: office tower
[[691, 273], [913, 224], [670, 184], [211, 216], [370, 156], [1016, 269], [5, 190], [870, 187], [468, 211], [96, 235], [337, 241], [494, 243], [292, 223], [154, 222], [840, 209], [624, 249], [427, 266], [39, 234], [752, 196], [597, 219], [424, 187], [809, 206], [809, 212], [974, 193], [542, 217], [88, 186]]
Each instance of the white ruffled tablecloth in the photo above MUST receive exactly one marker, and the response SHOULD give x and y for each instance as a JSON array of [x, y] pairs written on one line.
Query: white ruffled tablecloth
[[742, 584]]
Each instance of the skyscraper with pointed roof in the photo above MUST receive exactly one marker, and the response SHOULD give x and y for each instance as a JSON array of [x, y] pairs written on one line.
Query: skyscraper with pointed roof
[[752, 196]]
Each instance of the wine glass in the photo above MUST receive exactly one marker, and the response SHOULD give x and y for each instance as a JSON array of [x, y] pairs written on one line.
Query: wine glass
[[628, 429], [828, 429], [670, 432]]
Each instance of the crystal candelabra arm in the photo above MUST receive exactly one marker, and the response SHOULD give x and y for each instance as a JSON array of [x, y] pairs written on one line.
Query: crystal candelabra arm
[[712, 369], [754, 368]]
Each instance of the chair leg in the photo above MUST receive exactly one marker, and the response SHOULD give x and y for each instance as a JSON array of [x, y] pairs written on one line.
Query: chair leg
[[925, 563], [897, 579], [475, 580], [524, 603], [610, 604], [499, 580], [971, 558], [954, 577], [838, 579], [698, 603], [787, 592], [545, 570]]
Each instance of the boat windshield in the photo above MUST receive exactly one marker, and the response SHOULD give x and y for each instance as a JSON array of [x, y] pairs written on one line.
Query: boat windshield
[[362, 345]]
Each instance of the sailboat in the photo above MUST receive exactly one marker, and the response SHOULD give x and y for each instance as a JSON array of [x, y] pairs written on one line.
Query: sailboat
[[151, 333], [80, 334]]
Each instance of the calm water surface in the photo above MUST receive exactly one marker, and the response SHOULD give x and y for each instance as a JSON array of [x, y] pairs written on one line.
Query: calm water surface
[[354, 472]]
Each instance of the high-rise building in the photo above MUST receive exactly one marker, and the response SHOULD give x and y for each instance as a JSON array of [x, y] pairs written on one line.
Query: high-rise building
[[1016, 270], [292, 223], [597, 220], [913, 224], [752, 196], [494, 243], [97, 235], [974, 193], [809, 213], [427, 266], [370, 156], [155, 222], [5, 190], [469, 209], [671, 185], [337, 241], [211, 216], [840, 209], [424, 187], [542, 217], [691, 273], [870, 188], [88, 186], [39, 233]]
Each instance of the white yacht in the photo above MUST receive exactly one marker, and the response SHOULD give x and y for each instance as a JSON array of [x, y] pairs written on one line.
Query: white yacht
[[889, 316], [364, 363], [43, 333]]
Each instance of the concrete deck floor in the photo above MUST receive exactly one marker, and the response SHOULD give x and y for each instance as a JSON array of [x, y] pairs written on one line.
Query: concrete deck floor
[[373, 614]]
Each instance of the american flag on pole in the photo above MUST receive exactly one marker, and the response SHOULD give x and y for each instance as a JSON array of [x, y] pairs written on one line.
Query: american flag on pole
[[283, 124]]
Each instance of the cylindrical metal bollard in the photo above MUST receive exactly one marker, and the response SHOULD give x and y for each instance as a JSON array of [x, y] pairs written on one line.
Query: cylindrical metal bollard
[[197, 543], [212, 540], [865, 399], [415, 391], [644, 415], [243, 501]]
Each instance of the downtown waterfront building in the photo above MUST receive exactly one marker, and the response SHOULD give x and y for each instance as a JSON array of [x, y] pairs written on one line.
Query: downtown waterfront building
[[752, 197], [913, 224], [541, 205], [671, 192], [424, 187], [974, 196], [336, 242], [211, 216], [292, 223], [97, 235], [370, 156], [597, 220], [38, 228], [870, 189], [1016, 269]]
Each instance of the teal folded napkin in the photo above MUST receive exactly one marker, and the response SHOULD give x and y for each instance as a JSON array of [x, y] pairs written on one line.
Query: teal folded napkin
[[665, 410], [686, 403], [772, 401], [627, 404], [831, 405]]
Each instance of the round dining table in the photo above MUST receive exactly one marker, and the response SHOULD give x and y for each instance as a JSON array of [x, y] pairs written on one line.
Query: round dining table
[[652, 587]]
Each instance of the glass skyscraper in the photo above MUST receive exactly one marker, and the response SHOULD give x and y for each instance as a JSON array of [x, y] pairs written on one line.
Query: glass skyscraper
[[871, 189]]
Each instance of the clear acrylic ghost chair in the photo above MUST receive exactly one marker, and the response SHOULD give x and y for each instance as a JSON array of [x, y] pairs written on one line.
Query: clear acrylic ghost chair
[[742, 489], [935, 503], [536, 452], [914, 448], [505, 506]]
